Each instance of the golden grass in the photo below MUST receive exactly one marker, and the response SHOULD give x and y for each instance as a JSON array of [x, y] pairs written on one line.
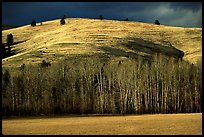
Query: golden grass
[[160, 124], [90, 34]]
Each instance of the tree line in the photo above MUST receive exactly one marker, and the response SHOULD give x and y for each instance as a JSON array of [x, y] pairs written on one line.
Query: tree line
[[92, 86]]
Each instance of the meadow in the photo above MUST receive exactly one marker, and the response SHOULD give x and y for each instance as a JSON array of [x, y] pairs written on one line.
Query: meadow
[[158, 124]]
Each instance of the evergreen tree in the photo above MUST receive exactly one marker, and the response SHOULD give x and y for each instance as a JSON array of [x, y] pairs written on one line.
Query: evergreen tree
[[10, 39], [101, 17], [33, 23], [62, 21], [126, 19], [157, 22], [9, 42]]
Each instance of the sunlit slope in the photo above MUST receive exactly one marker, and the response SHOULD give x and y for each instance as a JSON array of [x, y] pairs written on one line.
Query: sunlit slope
[[53, 41]]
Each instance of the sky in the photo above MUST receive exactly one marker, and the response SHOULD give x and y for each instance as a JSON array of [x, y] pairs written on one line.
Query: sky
[[183, 14]]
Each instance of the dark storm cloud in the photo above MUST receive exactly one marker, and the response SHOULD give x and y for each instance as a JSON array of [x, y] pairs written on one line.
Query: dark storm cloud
[[188, 14], [186, 5]]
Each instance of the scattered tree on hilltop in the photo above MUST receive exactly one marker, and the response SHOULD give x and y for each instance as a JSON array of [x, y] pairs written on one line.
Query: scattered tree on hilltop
[[6, 52], [9, 42], [126, 19], [157, 22], [10, 39], [62, 21], [33, 23], [101, 17]]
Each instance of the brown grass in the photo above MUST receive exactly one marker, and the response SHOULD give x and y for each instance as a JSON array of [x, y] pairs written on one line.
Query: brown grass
[[160, 124], [90, 34]]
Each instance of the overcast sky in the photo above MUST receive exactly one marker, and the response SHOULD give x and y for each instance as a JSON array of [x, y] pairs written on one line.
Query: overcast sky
[[185, 14]]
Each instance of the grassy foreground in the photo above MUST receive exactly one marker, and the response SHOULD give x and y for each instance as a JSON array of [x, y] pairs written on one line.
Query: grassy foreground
[[160, 124]]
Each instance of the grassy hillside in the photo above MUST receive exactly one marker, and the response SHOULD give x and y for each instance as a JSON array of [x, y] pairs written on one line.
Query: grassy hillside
[[6, 26], [78, 36]]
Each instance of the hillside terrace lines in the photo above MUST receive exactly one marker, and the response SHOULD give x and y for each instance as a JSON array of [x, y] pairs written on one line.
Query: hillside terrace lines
[[94, 32]]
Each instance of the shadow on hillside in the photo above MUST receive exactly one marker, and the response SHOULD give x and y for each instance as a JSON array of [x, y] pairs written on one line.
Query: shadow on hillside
[[149, 47], [5, 51], [4, 44], [121, 53], [145, 48], [19, 42]]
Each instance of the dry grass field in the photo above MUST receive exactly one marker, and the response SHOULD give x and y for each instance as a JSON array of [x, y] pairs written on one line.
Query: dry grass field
[[158, 124], [79, 36]]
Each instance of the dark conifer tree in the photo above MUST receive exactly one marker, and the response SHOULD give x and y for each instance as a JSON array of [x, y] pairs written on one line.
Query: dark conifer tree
[[157, 22], [9, 42], [10, 39], [62, 21], [126, 19], [101, 17], [33, 23]]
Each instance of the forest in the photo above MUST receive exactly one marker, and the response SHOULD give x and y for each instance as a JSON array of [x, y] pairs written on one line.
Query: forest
[[94, 85]]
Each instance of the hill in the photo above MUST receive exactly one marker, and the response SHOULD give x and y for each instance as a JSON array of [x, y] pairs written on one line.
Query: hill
[[109, 38], [6, 27]]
